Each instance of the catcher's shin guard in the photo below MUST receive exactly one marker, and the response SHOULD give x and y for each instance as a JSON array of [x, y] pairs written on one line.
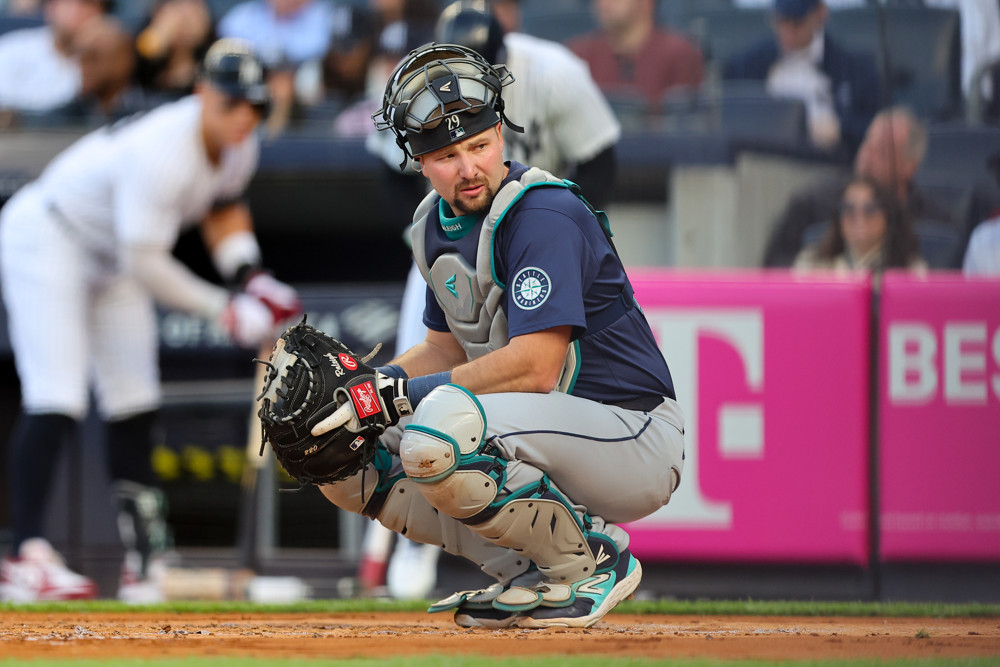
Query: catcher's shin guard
[[442, 451], [392, 499], [142, 521]]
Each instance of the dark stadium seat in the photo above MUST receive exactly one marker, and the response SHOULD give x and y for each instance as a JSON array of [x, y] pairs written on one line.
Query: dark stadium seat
[[679, 13], [939, 243], [958, 152], [722, 33], [741, 110], [8, 23], [750, 113], [558, 22], [924, 51]]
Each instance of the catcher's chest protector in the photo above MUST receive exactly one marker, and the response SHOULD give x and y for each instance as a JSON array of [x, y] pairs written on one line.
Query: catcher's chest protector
[[471, 297]]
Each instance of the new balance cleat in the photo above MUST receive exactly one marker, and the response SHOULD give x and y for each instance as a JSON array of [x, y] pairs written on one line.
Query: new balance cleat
[[585, 602]]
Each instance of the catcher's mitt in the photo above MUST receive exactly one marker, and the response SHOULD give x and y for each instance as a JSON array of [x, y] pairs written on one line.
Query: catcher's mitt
[[310, 375]]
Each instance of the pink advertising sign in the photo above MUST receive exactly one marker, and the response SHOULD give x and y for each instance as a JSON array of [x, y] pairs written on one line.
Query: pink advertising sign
[[771, 370], [939, 426]]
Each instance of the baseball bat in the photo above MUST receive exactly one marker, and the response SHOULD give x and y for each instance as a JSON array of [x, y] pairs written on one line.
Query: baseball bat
[[253, 466]]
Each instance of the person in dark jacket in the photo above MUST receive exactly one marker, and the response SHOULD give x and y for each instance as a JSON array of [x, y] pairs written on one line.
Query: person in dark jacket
[[840, 89]]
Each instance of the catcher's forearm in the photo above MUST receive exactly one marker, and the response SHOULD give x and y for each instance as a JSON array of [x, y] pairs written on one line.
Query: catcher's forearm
[[438, 352], [529, 363]]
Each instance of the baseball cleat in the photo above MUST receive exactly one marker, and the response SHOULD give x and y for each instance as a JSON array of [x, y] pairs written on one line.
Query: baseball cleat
[[483, 615], [39, 573], [585, 602]]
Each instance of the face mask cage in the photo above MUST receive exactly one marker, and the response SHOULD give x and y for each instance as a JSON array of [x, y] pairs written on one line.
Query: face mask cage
[[436, 82]]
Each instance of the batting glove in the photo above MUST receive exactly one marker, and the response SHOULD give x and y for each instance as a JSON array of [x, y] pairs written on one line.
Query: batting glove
[[281, 298], [248, 320]]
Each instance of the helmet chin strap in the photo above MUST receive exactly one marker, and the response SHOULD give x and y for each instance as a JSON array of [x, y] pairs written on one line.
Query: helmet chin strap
[[499, 108]]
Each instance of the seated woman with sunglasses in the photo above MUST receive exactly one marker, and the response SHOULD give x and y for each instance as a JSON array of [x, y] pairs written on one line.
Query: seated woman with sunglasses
[[871, 234]]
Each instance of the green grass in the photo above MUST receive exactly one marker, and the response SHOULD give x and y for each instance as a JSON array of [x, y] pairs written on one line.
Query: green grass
[[672, 607], [479, 661]]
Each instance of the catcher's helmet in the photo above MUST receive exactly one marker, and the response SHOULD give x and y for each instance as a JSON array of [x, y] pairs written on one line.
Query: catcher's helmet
[[471, 24], [441, 94], [232, 67]]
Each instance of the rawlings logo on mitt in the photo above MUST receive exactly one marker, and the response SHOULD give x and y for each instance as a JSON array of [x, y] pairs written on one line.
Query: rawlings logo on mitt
[[315, 384]]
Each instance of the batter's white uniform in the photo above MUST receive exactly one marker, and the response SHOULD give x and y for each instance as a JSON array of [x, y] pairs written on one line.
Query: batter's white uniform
[[73, 313]]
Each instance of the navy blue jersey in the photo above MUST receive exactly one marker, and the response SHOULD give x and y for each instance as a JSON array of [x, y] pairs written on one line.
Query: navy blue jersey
[[559, 269]]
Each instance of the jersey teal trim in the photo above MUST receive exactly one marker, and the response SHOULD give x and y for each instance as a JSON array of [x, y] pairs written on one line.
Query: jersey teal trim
[[454, 227], [576, 370]]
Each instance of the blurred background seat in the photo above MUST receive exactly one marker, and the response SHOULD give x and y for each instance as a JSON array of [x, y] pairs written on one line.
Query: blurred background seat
[[8, 23], [558, 20], [924, 53]]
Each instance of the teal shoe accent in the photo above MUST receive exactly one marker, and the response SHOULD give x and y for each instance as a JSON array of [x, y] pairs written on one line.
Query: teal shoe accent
[[593, 597]]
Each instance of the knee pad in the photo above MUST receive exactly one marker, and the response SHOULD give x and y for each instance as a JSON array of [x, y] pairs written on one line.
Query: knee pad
[[439, 452]]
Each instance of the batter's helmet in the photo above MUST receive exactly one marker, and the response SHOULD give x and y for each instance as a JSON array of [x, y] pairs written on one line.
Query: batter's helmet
[[232, 66], [441, 94], [471, 24]]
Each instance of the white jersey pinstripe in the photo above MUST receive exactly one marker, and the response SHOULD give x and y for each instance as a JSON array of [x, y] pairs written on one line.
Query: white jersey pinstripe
[[74, 316], [142, 180], [565, 116]]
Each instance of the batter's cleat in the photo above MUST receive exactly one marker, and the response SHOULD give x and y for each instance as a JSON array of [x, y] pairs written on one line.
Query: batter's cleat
[[585, 602], [39, 573], [136, 587]]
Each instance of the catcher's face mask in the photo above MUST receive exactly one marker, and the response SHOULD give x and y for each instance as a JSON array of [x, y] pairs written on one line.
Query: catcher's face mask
[[441, 94]]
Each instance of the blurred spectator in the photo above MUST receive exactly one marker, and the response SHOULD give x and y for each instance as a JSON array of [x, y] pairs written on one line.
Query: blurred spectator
[[21, 7], [346, 69], [631, 52], [982, 256], [508, 14], [891, 153], [171, 46], [403, 26], [980, 29], [38, 69], [107, 64], [287, 34], [839, 89], [871, 233]]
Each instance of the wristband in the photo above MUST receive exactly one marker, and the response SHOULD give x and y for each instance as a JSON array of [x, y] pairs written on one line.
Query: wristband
[[418, 388]]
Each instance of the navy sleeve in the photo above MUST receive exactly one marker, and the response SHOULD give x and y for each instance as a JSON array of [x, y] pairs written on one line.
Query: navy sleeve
[[548, 266], [434, 318]]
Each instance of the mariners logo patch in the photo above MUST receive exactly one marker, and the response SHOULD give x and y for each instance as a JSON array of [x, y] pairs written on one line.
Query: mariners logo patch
[[530, 288]]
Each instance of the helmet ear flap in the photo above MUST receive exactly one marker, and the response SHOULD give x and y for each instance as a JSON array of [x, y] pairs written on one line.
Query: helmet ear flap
[[492, 82], [399, 116]]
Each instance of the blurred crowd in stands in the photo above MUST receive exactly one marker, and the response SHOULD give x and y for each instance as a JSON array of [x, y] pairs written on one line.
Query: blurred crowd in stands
[[860, 83]]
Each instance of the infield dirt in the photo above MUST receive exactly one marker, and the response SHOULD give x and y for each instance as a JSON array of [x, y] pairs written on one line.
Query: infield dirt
[[144, 634]]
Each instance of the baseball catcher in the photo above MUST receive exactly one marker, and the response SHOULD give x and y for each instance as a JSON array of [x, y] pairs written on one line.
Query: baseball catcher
[[537, 414]]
